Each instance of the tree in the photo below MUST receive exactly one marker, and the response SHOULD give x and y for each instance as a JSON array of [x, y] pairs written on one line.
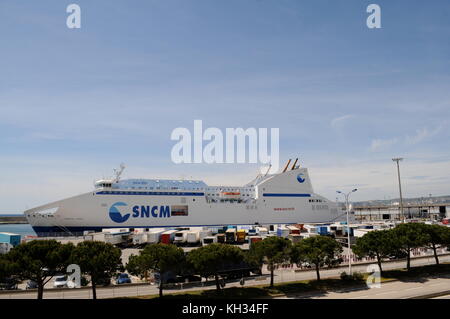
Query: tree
[[409, 236], [438, 236], [210, 260], [97, 259], [273, 250], [318, 251], [375, 244], [157, 257], [40, 260], [8, 270]]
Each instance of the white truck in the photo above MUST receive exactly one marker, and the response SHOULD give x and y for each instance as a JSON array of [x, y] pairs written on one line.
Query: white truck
[[209, 240], [180, 237], [139, 239], [193, 237], [154, 235]]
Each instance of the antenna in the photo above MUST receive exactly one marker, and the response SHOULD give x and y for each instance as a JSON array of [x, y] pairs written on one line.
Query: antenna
[[118, 172]]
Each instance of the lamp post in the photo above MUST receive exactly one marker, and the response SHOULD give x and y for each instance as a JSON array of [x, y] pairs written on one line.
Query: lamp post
[[347, 208], [398, 159]]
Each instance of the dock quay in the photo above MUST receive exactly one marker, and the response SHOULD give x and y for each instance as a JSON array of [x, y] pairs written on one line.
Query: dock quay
[[19, 219]]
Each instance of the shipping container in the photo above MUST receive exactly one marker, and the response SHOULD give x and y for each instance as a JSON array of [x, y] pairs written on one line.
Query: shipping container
[[293, 229], [310, 228], [114, 238], [115, 230], [322, 230], [240, 235], [154, 235], [230, 236], [262, 231], [139, 238], [168, 236], [10, 238], [253, 239], [193, 237], [220, 238], [205, 233], [295, 238], [283, 232]]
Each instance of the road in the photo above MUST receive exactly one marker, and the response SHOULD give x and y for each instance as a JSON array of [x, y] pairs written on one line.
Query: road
[[282, 275], [389, 290]]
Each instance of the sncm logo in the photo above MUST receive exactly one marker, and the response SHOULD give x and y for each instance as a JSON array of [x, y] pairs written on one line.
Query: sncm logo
[[300, 178], [115, 214], [143, 211]]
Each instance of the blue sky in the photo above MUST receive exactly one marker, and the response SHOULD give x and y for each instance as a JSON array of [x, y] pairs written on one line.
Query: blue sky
[[76, 103]]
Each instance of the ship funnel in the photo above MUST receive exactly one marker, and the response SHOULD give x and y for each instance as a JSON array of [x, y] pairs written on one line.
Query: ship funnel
[[286, 167], [293, 166]]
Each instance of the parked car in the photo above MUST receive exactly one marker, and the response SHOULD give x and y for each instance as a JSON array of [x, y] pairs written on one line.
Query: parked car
[[31, 284], [60, 282], [9, 284], [123, 279], [104, 281]]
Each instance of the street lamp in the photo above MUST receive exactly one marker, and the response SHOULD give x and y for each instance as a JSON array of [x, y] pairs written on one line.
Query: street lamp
[[398, 159], [347, 208]]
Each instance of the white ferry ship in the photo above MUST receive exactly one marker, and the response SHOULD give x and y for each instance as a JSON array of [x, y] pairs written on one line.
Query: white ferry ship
[[283, 198]]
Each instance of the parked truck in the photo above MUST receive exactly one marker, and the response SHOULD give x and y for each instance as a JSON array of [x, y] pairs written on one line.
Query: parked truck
[[139, 239], [262, 231], [180, 237], [293, 229], [154, 235], [220, 238], [193, 237], [240, 236], [168, 236], [209, 240], [253, 239], [230, 236], [283, 231]]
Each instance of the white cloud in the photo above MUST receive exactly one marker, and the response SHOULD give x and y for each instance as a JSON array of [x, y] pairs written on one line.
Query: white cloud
[[421, 135], [339, 121], [381, 144]]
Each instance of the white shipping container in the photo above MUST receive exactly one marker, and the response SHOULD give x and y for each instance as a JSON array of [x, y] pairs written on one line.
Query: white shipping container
[[154, 235], [262, 231], [115, 238], [139, 238], [115, 230], [205, 233], [193, 237]]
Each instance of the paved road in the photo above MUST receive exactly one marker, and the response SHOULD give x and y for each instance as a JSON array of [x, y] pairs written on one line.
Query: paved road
[[284, 275], [442, 297], [390, 290]]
